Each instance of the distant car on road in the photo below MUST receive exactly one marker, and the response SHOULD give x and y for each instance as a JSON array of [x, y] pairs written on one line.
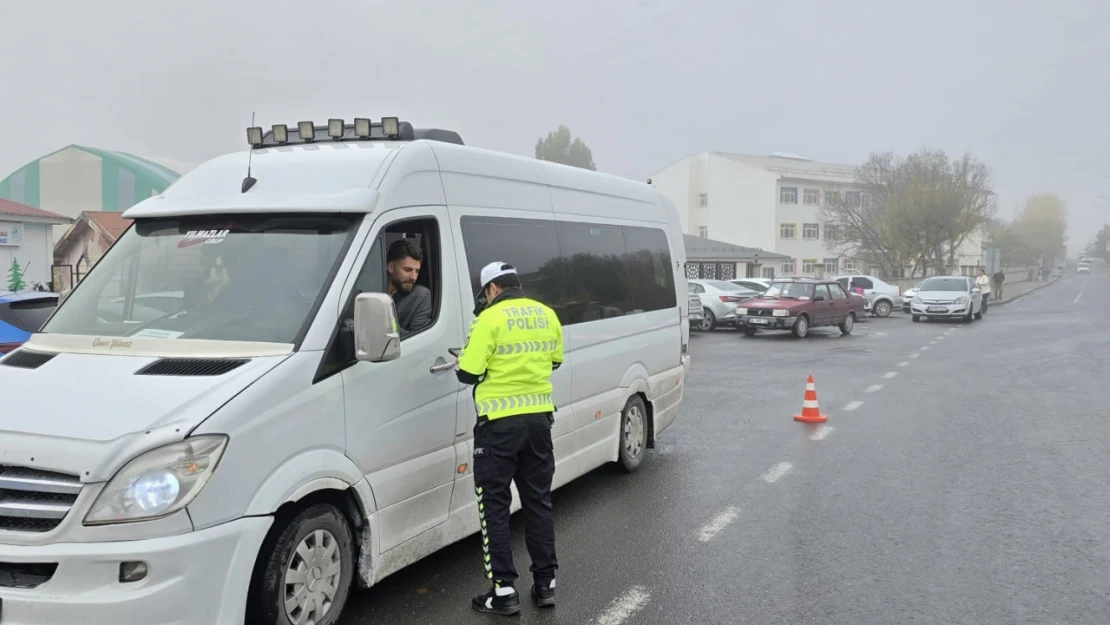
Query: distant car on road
[[882, 298], [948, 297], [22, 314], [718, 301], [800, 304], [1083, 268]]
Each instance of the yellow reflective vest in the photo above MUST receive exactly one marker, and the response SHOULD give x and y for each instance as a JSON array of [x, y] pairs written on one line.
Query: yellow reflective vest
[[514, 343]]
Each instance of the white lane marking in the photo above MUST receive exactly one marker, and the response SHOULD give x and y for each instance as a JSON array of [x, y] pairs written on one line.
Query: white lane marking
[[625, 606], [718, 523], [776, 472], [915, 355], [821, 433], [852, 405], [874, 388], [890, 374], [1082, 287], [904, 363], [925, 348], [933, 342]]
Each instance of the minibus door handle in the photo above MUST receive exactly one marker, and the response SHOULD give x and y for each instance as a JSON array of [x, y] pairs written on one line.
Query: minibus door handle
[[442, 365]]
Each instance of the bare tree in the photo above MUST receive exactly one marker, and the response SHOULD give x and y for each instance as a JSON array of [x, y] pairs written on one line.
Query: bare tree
[[910, 212]]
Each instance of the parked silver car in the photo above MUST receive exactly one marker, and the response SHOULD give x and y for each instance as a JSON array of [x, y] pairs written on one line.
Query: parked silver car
[[948, 297], [881, 298], [908, 295], [697, 314], [718, 301]]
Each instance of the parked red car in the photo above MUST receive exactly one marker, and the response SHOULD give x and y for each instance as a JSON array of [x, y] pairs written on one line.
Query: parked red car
[[798, 304]]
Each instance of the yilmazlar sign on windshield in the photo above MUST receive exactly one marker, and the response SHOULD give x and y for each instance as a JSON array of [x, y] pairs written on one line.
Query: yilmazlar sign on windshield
[[11, 235]]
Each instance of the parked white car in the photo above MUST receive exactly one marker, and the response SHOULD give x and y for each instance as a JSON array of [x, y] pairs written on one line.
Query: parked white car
[[948, 297], [718, 301], [881, 298]]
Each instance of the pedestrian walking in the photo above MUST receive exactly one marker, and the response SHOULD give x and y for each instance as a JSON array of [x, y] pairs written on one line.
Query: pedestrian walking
[[984, 284], [999, 278], [514, 344]]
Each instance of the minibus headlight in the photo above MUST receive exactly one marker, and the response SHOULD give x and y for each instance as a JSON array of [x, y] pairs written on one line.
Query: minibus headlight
[[158, 482]]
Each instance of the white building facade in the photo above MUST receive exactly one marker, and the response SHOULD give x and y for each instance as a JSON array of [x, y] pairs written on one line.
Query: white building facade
[[772, 203]]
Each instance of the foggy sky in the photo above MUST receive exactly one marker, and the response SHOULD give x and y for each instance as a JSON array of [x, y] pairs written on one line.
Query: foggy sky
[[1021, 85]]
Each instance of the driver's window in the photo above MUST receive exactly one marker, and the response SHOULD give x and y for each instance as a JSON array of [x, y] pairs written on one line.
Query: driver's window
[[821, 293]]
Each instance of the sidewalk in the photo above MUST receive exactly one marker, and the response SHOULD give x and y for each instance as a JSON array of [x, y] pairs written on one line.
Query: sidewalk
[[1017, 290]]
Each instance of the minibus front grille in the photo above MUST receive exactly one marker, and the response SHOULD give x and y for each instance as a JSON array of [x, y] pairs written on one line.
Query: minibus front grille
[[32, 500]]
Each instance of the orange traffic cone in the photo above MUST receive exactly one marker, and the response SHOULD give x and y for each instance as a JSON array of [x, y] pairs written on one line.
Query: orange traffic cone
[[810, 413]]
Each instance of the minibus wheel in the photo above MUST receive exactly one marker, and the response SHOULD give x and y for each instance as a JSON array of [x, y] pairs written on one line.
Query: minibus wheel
[[305, 569], [633, 434]]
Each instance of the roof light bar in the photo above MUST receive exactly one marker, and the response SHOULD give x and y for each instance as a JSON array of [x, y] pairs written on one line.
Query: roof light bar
[[363, 129]]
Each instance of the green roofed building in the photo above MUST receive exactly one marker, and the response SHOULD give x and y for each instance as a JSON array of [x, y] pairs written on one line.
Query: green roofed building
[[79, 178]]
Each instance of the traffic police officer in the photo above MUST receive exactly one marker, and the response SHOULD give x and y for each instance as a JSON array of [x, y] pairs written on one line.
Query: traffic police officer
[[514, 344]]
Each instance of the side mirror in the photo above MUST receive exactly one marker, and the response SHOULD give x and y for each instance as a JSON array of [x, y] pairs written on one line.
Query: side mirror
[[976, 291], [377, 336]]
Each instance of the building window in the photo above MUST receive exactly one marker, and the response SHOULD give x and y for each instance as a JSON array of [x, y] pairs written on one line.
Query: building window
[[811, 232], [788, 231], [831, 266], [788, 195], [851, 199], [768, 273], [703, 232], [848, 264], [809, 265], [867, 201], [832, 232], [812, 197], [703, 199], [788, 267]]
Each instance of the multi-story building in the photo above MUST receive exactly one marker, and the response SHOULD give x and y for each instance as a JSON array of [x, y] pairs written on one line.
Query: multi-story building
[[765, 202], [771, 203]]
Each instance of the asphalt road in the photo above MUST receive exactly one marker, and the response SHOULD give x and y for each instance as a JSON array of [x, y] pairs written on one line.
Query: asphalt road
[[962, 478]]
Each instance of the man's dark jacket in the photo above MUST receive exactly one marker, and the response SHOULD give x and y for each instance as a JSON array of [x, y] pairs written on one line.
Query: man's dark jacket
[[414, 310]]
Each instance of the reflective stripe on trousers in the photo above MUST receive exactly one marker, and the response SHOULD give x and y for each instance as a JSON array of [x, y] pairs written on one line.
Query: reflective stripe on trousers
[[511, 403]]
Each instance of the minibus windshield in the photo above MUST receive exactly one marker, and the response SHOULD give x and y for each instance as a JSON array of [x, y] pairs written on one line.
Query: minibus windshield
[[214, 277]]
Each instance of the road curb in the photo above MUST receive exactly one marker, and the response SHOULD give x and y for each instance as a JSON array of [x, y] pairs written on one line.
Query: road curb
[[1027, 293]]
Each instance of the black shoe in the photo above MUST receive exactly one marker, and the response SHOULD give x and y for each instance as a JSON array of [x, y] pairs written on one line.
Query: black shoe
[[544, 594], [492, 603]]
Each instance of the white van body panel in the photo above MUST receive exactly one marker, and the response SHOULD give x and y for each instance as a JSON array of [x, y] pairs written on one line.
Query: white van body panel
[[396, 437]]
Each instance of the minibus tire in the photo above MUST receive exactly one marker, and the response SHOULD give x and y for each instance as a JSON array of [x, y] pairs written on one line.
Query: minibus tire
[[266, 602], [634, 411]]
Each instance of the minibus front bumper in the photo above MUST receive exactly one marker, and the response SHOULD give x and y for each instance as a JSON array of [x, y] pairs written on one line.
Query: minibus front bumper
[[198, 578]]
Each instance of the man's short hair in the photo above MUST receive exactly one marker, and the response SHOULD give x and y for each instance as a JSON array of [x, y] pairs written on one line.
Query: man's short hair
[[402, 249], [507, 281]]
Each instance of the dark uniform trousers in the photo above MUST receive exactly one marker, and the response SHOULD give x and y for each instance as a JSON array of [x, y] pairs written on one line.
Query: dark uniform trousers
[[516, 448]]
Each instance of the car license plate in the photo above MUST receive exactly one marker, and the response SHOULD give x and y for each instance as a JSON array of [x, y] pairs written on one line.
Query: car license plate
[[759, 322], [938, 309]]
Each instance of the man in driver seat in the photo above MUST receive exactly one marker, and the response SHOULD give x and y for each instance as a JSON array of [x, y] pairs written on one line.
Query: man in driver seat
[[414, 302]]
